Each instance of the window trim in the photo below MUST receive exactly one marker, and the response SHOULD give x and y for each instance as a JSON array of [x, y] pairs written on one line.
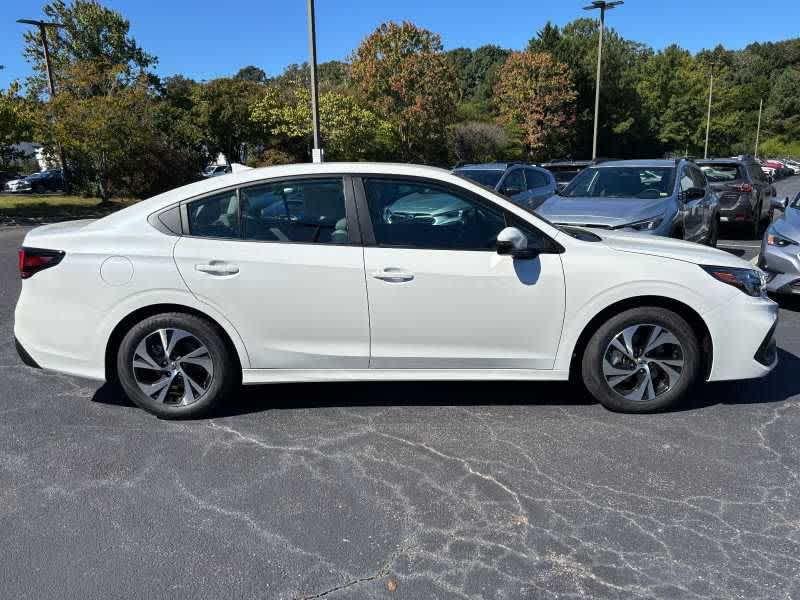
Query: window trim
[[368, 232], [349, 206]]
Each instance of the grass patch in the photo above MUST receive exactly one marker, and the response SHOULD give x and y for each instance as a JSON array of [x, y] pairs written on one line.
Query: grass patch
[[55, 206]]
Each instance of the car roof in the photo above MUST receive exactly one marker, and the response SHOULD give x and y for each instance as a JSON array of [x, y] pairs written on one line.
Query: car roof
[[721, 161], [652, 162], [495, 166], [246, 176]]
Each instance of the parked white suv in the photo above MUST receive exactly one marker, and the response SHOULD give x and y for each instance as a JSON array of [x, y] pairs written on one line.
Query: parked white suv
[[341, 272]]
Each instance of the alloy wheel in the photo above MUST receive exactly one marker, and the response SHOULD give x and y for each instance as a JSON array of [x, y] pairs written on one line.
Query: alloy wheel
[[643, 362], [172, 366]]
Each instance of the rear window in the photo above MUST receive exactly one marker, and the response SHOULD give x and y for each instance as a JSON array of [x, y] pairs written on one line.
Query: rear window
[[723, 172]]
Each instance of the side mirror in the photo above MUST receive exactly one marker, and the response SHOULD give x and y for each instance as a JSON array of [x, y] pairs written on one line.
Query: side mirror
[[512, 242], [779, 204]]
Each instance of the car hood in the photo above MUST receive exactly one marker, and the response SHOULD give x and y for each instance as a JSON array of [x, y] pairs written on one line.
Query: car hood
[[606, 213], [789, 225], [639, 243]]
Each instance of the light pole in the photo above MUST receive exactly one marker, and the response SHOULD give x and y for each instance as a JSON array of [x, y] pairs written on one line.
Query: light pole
[[603, 5], [708, 116], [43, 25], [316, 152], [758, 129]]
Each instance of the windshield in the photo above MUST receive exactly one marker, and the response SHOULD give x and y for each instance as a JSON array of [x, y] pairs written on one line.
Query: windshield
[[717, 173], [487, 177], [622, 182]]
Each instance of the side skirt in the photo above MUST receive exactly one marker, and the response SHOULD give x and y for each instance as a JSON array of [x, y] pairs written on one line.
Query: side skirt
[[257, 376]]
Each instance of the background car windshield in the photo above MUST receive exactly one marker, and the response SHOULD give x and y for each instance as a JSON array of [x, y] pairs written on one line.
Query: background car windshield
[[622, 182], [487, 177], [719, 173]]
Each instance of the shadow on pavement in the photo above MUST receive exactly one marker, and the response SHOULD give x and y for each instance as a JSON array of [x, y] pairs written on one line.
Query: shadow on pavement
[[788, 302], [781, 384]]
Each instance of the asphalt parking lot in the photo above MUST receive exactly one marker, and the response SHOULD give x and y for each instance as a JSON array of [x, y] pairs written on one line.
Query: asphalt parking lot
[[419, 491]]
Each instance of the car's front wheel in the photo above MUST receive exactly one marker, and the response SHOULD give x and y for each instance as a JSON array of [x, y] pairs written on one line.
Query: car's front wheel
[[641, 360], [175, 365]]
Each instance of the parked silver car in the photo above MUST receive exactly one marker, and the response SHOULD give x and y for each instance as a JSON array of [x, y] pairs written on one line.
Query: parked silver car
[[670, 198], [780, 249]]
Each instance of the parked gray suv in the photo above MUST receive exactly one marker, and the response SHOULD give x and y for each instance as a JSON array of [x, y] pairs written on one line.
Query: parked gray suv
[[660, 197], [744, 191], [526, 185]]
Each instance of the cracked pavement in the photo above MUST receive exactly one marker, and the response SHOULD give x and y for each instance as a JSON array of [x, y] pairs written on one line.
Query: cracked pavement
[[397, 490]]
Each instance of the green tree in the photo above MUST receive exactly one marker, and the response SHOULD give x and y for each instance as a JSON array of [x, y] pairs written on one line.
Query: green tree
[[534, 93], [17, 122], [222, 108], [349, 131], [476, 142], [252, 73], [401, 71], [623, 126], [782, 114], [92, 32]]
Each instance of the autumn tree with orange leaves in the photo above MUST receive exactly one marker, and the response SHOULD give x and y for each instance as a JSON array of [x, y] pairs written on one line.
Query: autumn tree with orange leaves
[[535, 94], [401, 71]]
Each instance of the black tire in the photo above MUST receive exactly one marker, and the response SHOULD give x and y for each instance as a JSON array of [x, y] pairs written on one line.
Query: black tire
[[758, 220], [219, 384], [595, 352], [713, 235]]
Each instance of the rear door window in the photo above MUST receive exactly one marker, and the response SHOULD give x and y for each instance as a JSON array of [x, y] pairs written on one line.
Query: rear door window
[[215, 216], [308, 211]]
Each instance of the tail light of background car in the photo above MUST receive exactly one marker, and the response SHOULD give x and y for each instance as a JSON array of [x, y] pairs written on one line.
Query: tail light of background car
[[33, 260], [745, 188]]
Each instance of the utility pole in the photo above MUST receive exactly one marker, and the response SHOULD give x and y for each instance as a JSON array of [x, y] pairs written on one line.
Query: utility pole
[[758, 129], [603, 5], [43, 25], [317, 152], [708, 116]]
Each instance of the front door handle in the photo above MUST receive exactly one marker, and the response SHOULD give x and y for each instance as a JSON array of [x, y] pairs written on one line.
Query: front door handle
[[393, 275], [218, 268]]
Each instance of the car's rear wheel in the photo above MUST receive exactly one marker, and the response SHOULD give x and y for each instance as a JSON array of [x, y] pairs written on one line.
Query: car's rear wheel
[[641, 360], [175, 365], [713, 234]]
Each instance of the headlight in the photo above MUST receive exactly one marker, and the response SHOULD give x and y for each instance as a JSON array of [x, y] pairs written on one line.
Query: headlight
[[774, 239], [647, 224], [752, 282]]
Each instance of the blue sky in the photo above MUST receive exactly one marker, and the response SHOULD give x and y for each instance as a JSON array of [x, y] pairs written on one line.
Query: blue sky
[[204, 39]]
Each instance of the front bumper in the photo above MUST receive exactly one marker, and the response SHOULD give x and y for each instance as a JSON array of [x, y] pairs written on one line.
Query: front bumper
[[743, 331], [782, 266], [26, 358]]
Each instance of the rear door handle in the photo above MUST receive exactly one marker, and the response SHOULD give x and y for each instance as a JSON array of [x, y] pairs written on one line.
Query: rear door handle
[[218, 268], [393, 275]]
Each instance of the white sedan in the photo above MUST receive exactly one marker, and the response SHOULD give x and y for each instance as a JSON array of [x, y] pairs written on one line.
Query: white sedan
[[341, 272]]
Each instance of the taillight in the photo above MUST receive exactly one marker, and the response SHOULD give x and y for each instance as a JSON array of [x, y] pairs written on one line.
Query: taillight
[[33, 260], [743, 187]]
